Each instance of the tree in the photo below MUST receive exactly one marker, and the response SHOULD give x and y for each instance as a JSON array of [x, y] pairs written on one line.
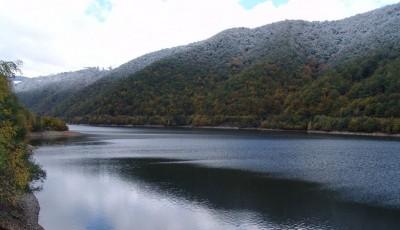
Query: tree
[[16, 169], [8, 69]]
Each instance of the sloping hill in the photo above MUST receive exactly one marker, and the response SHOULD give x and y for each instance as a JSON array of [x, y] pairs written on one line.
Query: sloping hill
[[290, 74], [42, 93]]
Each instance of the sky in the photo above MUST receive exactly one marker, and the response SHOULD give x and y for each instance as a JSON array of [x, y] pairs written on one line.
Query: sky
[[52, 36]]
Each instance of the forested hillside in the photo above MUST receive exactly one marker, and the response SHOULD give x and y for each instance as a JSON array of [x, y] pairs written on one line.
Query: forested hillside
[[340, 75], [43, 93]]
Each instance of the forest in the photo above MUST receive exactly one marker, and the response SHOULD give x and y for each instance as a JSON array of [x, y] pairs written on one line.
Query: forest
[[360, 95]]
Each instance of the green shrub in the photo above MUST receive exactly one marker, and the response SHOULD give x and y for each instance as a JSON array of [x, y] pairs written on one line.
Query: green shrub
[[17, 171]]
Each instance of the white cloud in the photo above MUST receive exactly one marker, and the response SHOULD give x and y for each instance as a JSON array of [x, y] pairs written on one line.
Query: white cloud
[[60, 35]]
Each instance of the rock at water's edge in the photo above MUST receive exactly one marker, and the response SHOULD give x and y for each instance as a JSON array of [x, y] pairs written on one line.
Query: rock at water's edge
[[24, 216]]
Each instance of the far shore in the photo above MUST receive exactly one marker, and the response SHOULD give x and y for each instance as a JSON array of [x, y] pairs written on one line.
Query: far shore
[[53, 135], [376, 134], [336, 133]]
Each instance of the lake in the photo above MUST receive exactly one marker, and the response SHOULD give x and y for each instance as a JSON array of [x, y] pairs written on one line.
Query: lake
[[161, 179]]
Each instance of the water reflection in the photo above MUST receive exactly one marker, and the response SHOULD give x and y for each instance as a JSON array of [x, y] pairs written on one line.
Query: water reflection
[[286, 203], [87, 200], [118, 182]]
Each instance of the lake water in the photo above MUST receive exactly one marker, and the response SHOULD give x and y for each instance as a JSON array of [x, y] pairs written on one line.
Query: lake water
[[161, 179]]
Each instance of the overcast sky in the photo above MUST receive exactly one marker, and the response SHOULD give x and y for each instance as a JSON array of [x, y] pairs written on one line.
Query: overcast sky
[[52, 36]]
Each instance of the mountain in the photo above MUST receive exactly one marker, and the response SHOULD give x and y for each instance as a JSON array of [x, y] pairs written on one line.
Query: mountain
[[337, 75], [42, 93], [63, 81]]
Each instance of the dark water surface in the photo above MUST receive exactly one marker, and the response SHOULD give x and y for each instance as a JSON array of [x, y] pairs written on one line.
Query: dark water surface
[[131, 178]]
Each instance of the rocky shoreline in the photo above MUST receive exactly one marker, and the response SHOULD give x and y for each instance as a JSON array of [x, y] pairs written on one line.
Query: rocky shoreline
[[23, 216]]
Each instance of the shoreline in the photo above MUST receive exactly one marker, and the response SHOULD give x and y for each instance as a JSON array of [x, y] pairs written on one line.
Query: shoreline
[[53, 135], [333, 133], [347, 133], [25, 213]]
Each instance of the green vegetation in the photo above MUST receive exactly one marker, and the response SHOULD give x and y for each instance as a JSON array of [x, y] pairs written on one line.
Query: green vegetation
[[17, 171], [45, 123], [361, 95]]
